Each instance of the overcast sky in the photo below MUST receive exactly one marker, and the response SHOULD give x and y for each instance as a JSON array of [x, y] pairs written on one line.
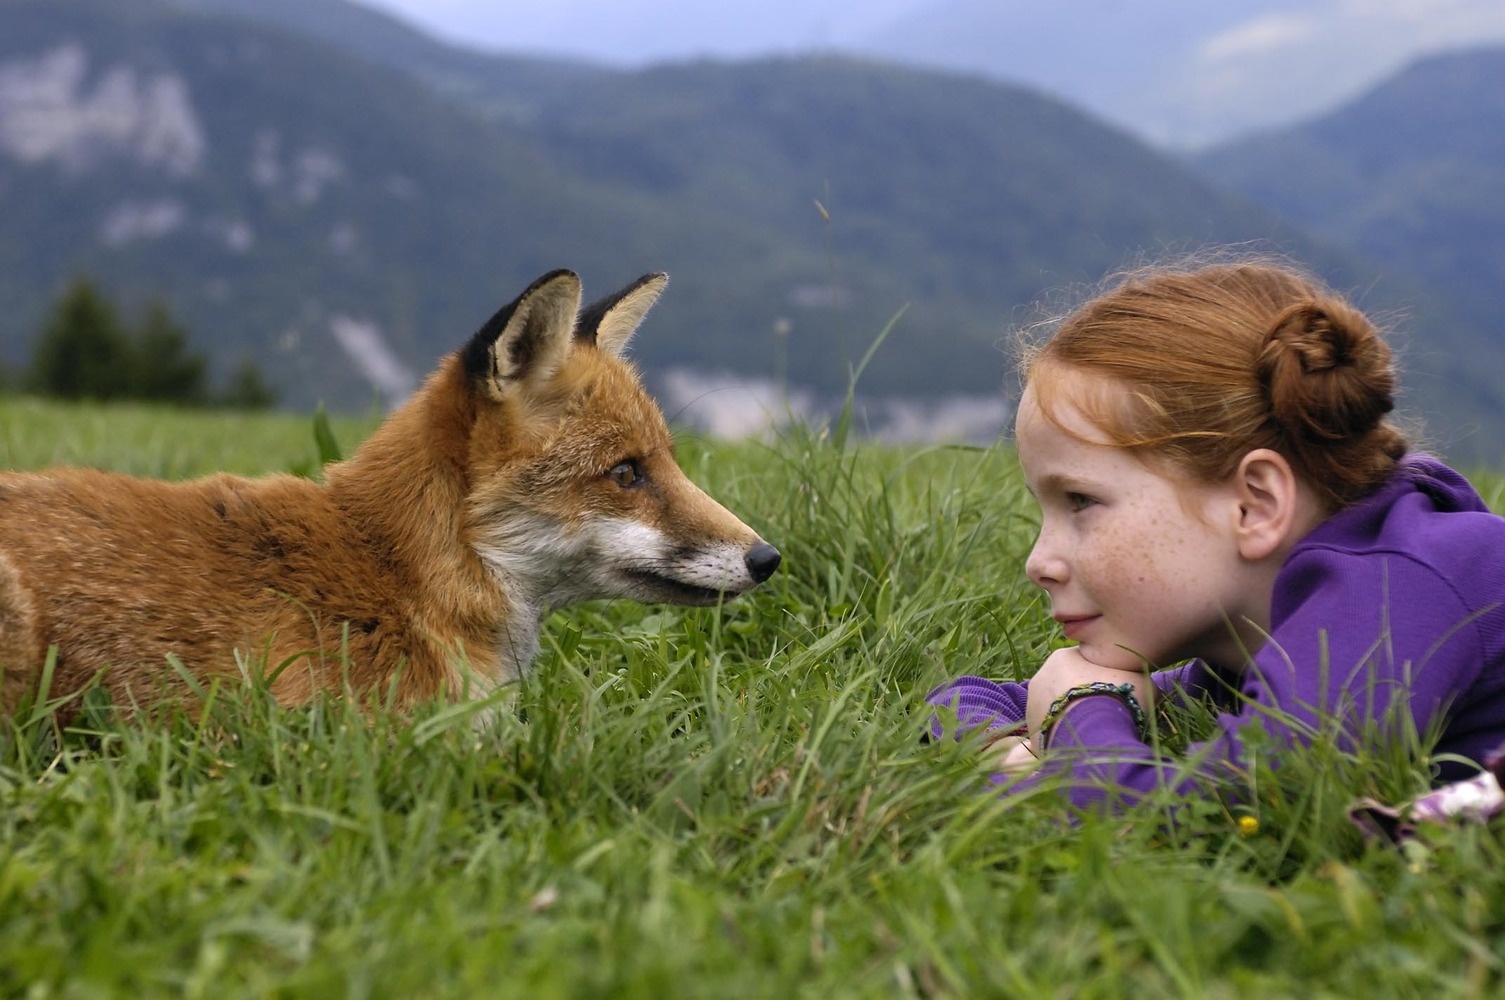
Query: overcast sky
[[1179, 72]]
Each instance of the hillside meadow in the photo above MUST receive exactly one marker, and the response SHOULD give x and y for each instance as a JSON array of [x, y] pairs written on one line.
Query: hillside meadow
[[696, 803]]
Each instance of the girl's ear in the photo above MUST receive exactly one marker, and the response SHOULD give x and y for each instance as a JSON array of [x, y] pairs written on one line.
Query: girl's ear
[[1273, 509]]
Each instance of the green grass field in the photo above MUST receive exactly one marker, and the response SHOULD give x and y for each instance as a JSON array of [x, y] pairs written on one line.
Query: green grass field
[[696, 803]]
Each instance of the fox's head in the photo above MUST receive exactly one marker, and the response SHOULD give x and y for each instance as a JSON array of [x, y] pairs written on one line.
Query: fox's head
[[574, 490]]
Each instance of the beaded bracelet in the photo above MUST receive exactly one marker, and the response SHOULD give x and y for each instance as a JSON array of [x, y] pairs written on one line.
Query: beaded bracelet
[[1123, 692]]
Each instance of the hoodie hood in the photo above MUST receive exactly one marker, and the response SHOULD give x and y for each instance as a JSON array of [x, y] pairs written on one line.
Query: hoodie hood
[[1447, 490]]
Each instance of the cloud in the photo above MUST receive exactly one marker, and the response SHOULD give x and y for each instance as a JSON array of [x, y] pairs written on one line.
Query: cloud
[[1285, 64], [1260, 36], [1381, 33]]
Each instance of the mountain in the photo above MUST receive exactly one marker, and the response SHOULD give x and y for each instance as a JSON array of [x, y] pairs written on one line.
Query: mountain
[[1412, 173], [1179, 73], [305, 188], [1186, 73], [508, 86], [962, 198], [279, 199]]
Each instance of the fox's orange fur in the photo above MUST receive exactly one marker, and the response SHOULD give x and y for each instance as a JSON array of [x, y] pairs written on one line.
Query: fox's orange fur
[[530, 471]]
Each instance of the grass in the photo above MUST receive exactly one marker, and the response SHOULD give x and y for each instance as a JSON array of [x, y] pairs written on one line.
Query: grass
[[699, 803]]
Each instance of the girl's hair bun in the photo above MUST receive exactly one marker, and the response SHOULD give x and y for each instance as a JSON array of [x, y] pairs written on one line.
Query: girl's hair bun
[[1325, 372]]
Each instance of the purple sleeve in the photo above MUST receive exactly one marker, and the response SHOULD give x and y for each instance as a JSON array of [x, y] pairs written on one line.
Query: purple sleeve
[[1341, 648], [983, 704], [978, 703]]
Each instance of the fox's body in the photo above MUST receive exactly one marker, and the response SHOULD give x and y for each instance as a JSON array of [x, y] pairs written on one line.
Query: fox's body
[[530, 471]]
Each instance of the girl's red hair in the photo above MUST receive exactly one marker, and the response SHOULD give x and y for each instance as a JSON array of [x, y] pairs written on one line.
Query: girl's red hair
[[1219, 359]]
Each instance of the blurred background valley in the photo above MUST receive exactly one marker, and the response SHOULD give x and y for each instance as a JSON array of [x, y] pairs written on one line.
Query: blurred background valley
[[340, 193]]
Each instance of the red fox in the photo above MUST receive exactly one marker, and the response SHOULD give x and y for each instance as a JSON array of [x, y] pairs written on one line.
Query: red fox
[[531, 471]]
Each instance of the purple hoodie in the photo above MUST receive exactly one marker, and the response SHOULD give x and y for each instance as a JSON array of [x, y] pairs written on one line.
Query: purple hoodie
[[1398, 599]]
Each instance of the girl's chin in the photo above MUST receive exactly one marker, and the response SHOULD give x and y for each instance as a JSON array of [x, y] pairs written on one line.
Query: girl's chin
[[1115, 658]]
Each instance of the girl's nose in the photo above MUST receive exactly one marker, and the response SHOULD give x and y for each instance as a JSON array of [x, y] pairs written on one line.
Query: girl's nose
[[1044, 566]]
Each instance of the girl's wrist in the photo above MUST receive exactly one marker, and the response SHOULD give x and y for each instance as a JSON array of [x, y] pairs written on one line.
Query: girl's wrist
[[1126, 693]]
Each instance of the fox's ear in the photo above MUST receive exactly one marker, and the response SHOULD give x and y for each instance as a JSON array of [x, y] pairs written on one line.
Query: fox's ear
[[528, 338], [610, 322]]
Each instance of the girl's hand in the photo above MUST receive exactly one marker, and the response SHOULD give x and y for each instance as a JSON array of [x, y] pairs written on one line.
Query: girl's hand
[[1010, 755], [1067, 668]]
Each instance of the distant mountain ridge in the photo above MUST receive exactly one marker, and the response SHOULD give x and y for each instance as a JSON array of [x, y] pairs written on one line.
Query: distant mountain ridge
[[1413, 172], [300, 184], [499, 85], [1413, 175]]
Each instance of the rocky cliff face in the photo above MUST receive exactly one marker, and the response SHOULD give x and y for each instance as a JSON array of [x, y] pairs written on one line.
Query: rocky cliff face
[[55, 108]]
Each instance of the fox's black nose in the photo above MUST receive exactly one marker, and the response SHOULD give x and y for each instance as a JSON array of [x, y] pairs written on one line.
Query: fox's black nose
[[762, 560]]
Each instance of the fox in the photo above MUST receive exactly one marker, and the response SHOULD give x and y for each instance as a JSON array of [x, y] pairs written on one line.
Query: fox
[[530, 471]]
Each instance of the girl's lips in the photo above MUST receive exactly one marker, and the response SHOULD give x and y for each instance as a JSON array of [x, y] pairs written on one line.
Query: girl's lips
[[1071, 625]]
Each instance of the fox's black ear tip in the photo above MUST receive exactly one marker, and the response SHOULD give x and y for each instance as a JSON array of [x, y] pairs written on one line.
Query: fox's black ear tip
[[558, 274], [555, 290], [652, 277]]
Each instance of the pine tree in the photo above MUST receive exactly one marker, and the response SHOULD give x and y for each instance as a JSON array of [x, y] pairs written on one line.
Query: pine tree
[[247, 389], [82, 352], [164, 369]]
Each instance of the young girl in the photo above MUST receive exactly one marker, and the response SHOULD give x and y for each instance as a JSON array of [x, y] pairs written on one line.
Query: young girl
[[1219, 482]]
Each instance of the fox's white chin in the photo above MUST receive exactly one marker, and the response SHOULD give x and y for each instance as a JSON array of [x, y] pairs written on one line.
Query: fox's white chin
[[652, 587], [617, 558]]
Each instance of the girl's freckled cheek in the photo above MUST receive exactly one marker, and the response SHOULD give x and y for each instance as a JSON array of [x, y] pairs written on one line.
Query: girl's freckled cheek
[[1139, 558]]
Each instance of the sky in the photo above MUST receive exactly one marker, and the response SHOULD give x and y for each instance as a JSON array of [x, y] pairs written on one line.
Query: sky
[[633, 32], [1181, 73]]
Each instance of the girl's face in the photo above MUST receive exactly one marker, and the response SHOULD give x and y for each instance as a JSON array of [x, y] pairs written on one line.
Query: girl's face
[[1142, 566]]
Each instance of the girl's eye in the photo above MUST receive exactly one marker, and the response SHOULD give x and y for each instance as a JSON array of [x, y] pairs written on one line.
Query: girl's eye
[[1078, 501], [626, 474]]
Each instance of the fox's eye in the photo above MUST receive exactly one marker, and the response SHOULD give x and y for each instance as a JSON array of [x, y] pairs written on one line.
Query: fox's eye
[[626, 474]]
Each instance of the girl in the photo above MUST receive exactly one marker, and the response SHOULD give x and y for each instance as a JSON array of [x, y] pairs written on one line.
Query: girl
[[1219, 482]]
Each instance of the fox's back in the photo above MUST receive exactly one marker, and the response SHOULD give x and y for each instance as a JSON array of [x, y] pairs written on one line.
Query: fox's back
[[79, 522], [119, 572]]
